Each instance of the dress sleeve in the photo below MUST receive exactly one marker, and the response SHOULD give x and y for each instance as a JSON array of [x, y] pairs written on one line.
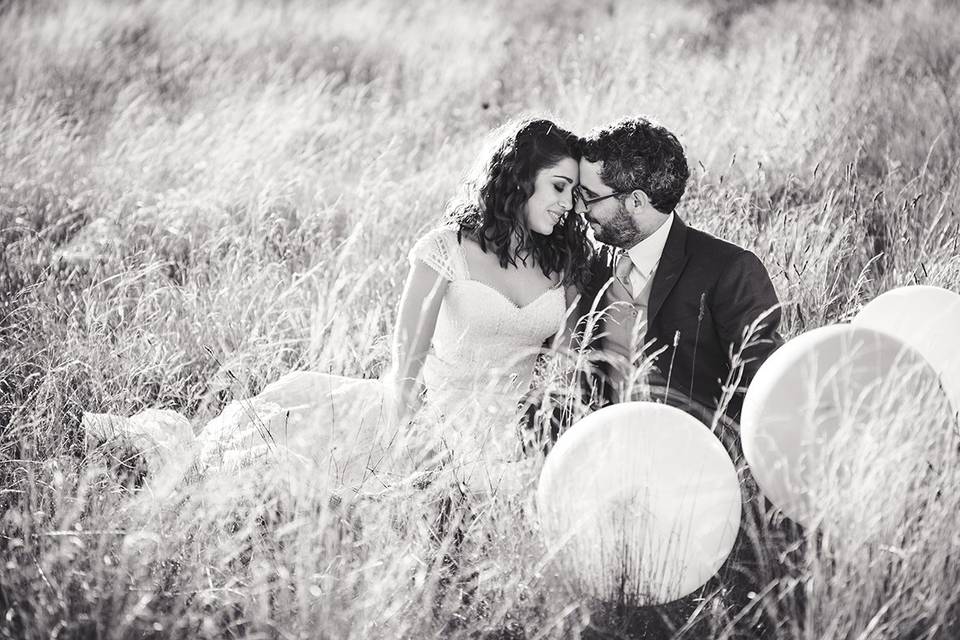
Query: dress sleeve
[[436, 250]]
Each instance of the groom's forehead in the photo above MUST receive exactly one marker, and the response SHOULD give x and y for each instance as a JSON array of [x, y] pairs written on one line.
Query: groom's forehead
[[590, 174]]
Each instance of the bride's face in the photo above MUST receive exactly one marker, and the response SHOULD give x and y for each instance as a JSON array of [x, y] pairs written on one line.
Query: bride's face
[[552, 197]]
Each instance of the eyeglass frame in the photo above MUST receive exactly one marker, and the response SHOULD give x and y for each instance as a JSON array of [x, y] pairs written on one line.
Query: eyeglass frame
[[587, 202]]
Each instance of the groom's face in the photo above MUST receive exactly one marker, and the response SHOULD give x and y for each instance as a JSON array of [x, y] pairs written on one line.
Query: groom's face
[[608, 217]]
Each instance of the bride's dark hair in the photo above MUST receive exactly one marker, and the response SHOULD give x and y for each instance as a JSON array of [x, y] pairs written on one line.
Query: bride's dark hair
[[491, 206]]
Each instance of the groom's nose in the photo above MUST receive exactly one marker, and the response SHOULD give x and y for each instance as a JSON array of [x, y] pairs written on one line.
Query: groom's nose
[[579, 206]]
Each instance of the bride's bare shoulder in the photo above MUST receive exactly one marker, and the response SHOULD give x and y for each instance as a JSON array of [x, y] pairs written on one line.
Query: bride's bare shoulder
[[476, 256], [470, 244]]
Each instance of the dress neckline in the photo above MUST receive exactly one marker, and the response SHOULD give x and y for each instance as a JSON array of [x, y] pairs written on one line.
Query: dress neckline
[[513, 303], [519, 307]]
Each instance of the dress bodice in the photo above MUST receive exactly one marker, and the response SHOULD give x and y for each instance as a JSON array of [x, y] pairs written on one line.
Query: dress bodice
[[484, 346]]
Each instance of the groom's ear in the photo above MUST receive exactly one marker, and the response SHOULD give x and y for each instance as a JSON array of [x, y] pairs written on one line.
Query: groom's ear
[[636, 201]]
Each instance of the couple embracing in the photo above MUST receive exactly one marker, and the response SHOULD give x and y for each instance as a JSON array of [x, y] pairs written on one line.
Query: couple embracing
[[513, 274]]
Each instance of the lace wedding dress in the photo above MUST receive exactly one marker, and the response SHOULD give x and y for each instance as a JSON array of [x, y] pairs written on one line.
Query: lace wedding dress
[[481, 363]]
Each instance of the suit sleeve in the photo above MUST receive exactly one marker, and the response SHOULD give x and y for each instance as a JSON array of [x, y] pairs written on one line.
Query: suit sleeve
[[747, 313]]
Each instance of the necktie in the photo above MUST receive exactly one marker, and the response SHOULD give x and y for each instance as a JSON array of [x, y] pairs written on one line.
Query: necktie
[[623, 269]]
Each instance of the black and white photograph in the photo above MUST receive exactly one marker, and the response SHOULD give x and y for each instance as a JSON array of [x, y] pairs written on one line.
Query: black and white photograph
[[453, 319]]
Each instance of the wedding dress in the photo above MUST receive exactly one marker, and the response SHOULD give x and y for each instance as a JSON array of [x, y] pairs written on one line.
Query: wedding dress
[[480, 364]]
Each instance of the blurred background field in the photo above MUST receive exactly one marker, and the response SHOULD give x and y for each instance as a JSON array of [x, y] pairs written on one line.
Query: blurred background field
[[196, 198]]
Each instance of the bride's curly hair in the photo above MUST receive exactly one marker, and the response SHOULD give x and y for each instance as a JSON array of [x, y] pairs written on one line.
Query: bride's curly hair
[[491, 208]]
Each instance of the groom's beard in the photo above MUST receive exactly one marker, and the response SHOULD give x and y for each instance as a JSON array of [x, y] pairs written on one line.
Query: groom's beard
[[620, 230]]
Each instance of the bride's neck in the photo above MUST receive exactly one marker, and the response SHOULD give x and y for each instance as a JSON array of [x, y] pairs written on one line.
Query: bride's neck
[[525, 256]]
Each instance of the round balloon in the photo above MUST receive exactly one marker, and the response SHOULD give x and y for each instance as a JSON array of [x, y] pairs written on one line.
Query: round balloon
[[639, 500], [926, 318], [834, 417]]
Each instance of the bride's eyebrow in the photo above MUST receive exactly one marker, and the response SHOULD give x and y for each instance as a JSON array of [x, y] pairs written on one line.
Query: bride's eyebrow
[[570, 180]]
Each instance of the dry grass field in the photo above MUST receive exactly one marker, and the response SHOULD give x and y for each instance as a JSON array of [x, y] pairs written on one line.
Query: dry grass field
[[196, 198]]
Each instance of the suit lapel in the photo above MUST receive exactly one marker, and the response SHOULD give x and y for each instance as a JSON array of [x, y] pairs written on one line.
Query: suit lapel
[[672, 262], [608, 254], [603, 270]]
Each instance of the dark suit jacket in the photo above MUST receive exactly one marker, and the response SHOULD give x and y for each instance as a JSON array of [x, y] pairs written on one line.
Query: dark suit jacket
[[705, 295]]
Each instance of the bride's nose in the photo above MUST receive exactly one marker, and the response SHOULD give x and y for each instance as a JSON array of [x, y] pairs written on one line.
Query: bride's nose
[[566, 200]]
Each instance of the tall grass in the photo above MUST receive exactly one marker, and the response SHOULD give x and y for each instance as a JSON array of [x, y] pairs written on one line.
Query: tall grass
[[198, 198]]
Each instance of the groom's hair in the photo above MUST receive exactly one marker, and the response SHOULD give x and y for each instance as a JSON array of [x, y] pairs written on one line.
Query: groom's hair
[[640, 154]]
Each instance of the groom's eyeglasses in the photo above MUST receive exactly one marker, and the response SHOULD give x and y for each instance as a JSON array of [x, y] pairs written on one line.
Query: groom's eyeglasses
[[585, 201]]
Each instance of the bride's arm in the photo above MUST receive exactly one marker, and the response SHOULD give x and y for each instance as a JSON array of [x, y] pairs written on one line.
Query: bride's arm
[[567, 335], [570, 347], [567, 339], [548, 402], [561, 348], [416, 321]]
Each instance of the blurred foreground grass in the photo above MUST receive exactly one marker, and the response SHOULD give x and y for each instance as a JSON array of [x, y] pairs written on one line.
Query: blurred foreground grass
[[198, 198]]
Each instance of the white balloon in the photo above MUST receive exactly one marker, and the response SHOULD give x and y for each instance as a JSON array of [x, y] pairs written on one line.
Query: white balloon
[[832, 418], [926, 318], [640, 497]]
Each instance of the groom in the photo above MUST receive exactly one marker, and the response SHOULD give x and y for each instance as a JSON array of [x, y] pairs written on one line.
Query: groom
[[702, 310]]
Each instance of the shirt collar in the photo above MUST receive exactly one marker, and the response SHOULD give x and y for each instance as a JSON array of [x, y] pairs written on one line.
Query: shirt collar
[[646, 254]]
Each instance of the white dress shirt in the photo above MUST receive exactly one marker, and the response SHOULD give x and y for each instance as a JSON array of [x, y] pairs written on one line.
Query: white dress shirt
[[645, 256]]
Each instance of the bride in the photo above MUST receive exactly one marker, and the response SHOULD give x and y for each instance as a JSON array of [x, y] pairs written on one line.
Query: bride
[[485, 291]]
